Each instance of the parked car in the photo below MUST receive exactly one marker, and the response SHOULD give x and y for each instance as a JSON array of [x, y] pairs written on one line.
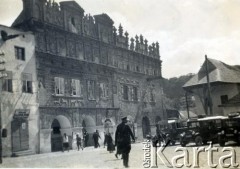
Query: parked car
[[231, 130], [202, 130], [171, 130]]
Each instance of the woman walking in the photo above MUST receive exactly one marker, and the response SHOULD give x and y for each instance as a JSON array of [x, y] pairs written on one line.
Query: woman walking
[[110, 145]]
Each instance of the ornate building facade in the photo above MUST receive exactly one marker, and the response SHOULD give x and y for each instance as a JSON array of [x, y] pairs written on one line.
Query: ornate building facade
[[90, 73]]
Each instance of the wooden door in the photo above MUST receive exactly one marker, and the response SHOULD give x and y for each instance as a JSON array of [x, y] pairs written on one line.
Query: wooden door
[[20, 135]]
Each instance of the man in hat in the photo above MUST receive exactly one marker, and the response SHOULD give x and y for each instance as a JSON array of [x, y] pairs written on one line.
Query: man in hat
[[123, 140]]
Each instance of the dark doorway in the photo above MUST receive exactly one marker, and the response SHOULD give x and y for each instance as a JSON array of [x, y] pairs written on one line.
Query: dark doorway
[[146, 127], [60, 125], [56, 137], [89, 125], [20, 135]]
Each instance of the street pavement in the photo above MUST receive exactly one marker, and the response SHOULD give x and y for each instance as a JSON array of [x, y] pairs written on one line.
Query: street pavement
[[101, 158]]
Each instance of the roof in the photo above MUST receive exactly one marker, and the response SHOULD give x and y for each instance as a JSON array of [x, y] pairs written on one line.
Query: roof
[[104, 18], [212, 118], [20, 19], [218, 72]]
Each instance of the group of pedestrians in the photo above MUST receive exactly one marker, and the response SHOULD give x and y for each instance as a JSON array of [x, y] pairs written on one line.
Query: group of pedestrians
[[123, 137]]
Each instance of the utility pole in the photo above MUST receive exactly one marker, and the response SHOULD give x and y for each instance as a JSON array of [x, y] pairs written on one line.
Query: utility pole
[[209, 99], [186, 97]]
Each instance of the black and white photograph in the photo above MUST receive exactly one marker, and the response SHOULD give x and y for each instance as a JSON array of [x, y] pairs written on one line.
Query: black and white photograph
[[120, 84]]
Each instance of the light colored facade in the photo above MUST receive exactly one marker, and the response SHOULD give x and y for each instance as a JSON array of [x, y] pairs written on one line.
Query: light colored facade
[[224, 85], [19, 94]]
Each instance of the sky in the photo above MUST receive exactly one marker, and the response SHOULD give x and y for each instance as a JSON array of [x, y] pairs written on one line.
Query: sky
[[186, 30]]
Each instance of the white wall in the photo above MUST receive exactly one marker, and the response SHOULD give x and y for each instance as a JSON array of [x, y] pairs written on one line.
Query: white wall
[[16, 99], [216, 92]]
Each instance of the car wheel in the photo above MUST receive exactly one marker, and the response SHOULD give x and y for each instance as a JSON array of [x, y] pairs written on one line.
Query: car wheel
[[238, 141], [198, 141], [182, 142]]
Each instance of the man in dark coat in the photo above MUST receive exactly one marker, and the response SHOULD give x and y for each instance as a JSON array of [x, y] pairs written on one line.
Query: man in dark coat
[[123, 140], [96, 137], [85, 136]]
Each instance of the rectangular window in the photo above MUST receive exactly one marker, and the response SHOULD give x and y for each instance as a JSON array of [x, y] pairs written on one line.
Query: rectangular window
[[152, 95], [20, 53], [125, 92], [27, 83], [91, 90], [76, 87], [7, 82], [104, 90], [135, 93], [224, 99], [7, 85], [59, 85]]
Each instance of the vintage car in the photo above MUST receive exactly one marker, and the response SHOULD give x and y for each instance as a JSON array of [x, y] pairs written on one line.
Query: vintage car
[[231, 130], [202, 130], [171, 130]]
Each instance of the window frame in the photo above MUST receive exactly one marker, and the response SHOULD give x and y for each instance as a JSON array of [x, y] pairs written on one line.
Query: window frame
[[20, 53], [57, 83], [78, 89], [91, 89], [27, 86], [125, 94]]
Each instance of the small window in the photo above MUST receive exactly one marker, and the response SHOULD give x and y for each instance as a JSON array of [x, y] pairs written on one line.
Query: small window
[[154, 72], [73, 21], [26, 83], [20, 53], [76, 87], [137, 69], [152, 95], [104, 90], [125, 92], [59, 85], [135, 93], [128, 67], [7, 82], [91, 90], [7, 85], [224, 99]]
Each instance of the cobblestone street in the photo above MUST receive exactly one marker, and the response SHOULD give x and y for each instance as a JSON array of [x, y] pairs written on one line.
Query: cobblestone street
[[100, 158]]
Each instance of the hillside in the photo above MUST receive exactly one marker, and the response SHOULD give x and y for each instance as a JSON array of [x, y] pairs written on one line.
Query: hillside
[[173, 89]]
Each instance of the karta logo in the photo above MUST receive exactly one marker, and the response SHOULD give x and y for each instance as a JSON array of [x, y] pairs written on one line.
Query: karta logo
[[152, 154]]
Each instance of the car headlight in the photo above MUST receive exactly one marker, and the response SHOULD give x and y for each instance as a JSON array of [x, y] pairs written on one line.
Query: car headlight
[[235, 131], [222, 131]]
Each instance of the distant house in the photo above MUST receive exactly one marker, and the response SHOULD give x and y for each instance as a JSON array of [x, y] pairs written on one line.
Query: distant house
[[224, 83]]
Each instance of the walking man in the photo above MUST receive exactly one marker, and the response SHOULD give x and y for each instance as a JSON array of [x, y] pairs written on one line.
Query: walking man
[[123, 140], [85, 136], [96, 137]]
